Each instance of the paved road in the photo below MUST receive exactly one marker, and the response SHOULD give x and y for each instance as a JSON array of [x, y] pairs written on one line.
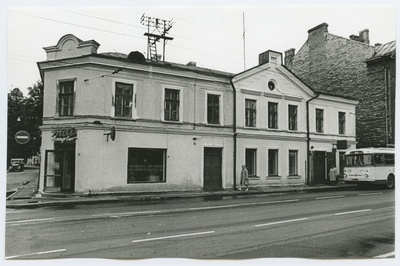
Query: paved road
[[351, 224]]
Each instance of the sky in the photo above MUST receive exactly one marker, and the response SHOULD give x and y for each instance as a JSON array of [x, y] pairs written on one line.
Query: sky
[[210, 35]]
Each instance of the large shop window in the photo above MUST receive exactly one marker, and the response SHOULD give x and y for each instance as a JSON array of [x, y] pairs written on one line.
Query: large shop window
[[66, 98], [146, 165], [123, 99]]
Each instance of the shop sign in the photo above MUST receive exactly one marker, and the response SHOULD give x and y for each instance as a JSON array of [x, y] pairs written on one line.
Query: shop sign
[[64, 134]]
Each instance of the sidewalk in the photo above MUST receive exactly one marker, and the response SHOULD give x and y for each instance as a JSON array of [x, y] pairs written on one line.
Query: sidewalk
[[25, 195]]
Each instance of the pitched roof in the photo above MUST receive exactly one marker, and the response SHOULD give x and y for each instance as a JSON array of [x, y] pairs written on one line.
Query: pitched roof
[[387, 49]]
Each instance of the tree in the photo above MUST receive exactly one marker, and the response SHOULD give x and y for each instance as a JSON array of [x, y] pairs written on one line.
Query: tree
[[24, 113]]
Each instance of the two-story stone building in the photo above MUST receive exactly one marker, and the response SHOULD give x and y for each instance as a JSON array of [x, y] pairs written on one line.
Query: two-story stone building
[[116, 122], [352, 67]]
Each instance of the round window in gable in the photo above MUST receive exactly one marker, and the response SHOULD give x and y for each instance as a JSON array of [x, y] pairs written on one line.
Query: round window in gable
[[271, 85]]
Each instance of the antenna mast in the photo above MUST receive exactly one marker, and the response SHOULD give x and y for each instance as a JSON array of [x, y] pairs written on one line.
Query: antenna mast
[[244, 44], [160, 28]]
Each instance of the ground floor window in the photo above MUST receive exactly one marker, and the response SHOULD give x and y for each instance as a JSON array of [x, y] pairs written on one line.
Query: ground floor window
[[146, 165], [251, 159], [272, 162], [293, 162]]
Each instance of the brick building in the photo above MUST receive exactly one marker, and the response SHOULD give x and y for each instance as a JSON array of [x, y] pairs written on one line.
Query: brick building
[[354, 68]]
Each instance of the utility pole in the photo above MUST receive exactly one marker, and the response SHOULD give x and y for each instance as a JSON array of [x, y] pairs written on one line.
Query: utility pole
[[244, 44], [160, 28]]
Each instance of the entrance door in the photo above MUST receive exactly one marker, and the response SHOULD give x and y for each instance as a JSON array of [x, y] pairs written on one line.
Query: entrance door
[[59, 173], [319, 167], [212, 168]]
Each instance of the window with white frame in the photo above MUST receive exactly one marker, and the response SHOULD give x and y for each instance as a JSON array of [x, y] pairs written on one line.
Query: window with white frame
[[172, 104], [293, 162], [342, 122], [292, 119], [272, 115], [251, 161], [123, 99], [66, 98], [250, 112], [272, 162], [213, 109], [319, 120]]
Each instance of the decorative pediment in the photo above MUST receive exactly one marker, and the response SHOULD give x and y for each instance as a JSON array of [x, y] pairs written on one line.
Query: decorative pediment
[[71, 46]]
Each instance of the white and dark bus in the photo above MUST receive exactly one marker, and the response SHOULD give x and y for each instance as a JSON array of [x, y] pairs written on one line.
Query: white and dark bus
[[370, 166]]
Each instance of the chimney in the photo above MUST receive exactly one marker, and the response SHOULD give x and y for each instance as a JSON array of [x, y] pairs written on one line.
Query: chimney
[[191, 63], [321, 29], [364, 36], [269, 56], [289, 56]]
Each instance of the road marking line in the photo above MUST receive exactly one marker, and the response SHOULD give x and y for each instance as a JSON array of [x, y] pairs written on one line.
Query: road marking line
[[372, 193], [36, 253], [282, 222], [351, 212], [29, 221], [385, 255], [243, 204], [175, 236], [123, 214], [331, 197]]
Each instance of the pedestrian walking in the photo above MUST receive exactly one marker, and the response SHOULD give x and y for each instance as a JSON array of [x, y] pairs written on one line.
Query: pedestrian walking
[[333, 172], [244, 178]]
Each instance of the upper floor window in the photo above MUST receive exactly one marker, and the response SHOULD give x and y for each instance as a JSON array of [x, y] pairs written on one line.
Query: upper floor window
[[213, 109], [171, 105], [250, 106], [319, 120], [342, 122], [292, 117], [66, 98], [272, 115], [123, 99]]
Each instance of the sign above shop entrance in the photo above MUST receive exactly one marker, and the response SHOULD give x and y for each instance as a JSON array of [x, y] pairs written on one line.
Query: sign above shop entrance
[[64, 134]]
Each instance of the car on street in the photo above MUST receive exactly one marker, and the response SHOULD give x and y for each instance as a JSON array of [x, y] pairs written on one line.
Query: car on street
[[17, 164]]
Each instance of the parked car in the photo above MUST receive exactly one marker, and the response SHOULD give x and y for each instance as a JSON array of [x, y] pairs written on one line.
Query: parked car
[[17, 164]]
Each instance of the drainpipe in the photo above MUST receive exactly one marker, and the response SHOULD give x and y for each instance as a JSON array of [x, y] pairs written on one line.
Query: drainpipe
[[234, 133], [308, 137]]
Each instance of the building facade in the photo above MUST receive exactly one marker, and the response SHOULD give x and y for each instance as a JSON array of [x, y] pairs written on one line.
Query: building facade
[[352, 67], [116, 122]]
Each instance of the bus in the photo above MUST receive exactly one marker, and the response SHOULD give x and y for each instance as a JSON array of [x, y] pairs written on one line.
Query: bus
[[370, 166]]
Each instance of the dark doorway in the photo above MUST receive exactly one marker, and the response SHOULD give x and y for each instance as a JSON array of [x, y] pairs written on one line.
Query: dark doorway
[[212, 168], [319, 167]]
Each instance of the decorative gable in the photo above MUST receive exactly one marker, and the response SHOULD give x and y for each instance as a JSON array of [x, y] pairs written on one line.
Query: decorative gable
[[71, 46]]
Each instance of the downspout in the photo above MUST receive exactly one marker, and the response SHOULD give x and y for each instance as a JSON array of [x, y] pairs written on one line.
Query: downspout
[[234, 133], [308, 137]]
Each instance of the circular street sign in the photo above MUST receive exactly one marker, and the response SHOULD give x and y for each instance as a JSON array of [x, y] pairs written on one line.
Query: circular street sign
[[22, 137]]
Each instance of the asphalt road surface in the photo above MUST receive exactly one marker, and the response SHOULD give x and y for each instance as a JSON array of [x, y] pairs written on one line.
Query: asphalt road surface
[[330, 225]]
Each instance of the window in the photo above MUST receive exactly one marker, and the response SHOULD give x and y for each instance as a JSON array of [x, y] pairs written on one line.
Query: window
[[293, 164], [319, 120], [378, 158], [250, 113], [272, 115], [213, 109], [342, 122], [146, 165], [272, 162], [66, 98], [292, 117], [389, 159], [171, 105], [123, 99], [251, 159]]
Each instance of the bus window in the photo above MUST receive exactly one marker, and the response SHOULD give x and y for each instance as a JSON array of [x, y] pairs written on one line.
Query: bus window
[[389, 159], [378, 158]]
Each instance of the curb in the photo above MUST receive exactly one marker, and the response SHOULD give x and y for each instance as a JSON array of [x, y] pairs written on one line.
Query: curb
[[38, 203]]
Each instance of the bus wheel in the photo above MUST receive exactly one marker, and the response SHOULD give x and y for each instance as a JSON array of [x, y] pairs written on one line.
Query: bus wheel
[[390, 182]]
